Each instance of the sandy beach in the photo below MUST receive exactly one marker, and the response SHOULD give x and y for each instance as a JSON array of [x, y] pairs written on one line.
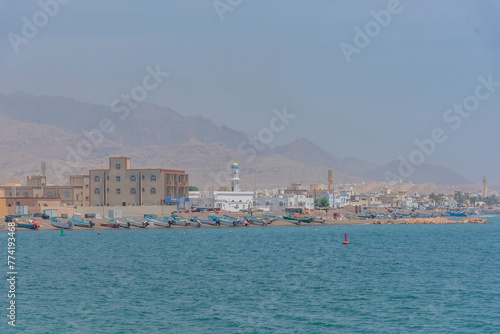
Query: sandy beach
[[328, 220]]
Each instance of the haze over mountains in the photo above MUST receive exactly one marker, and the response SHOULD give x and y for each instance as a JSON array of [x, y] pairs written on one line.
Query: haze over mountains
[[35, 129]]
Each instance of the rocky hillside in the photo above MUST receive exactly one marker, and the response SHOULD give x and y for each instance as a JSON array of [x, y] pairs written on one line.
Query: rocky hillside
[[51, 129]]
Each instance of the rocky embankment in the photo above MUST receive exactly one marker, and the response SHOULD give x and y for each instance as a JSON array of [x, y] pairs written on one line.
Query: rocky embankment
[[432, 221]]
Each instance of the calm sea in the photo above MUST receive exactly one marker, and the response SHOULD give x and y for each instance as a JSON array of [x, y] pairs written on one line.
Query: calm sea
[[390, 279]]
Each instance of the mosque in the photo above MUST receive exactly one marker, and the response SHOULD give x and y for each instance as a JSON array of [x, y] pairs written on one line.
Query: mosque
[[234, 200]]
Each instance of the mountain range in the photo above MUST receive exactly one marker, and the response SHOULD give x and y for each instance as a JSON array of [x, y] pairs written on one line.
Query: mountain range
[[57, 129]]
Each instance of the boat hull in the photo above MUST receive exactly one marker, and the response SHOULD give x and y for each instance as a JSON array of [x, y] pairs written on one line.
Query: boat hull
[[68, 225], [112, 225], [162, 224], [28, 226], [83, 224], [139, 224]]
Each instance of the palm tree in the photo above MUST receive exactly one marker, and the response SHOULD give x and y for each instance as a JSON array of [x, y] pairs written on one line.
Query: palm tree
[[434, 198], [459, 197]]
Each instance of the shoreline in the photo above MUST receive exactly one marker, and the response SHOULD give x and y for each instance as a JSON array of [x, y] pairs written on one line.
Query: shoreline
[[413, 221]]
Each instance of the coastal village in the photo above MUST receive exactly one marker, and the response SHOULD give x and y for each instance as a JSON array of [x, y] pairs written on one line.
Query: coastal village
[[120, 196]]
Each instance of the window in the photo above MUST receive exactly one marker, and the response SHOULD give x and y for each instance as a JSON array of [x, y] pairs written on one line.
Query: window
[[153, 190], [97, 191], [66, 195], [153, 178], [97, 179], [132, 178], [118, 166], [118, 191], [142, 189], [132, 191], [118, 179], [26, 195]]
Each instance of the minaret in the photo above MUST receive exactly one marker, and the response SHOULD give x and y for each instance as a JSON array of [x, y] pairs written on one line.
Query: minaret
[[235, 177], [330, 181], [485, 186]]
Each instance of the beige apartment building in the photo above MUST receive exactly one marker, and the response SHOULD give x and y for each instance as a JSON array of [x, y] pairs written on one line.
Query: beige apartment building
[[77, 193], [123, 186]]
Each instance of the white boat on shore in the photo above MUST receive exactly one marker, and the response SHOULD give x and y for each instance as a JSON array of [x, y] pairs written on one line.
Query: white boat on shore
[[60, 224], [136, 223]]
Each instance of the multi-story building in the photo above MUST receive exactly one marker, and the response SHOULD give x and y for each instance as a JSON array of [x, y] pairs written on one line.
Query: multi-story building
[[77, 193], [121, 185]]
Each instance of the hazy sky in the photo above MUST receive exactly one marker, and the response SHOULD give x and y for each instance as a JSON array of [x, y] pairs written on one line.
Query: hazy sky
[[270, 54]]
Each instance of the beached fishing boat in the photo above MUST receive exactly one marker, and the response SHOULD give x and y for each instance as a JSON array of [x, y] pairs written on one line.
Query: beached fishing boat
[[59, 224], [172, 221], [117, 222], [224, 221], [111, 223], [272, 216], [257, 221], [457, 214], [159, 222], [82, 223], [124, 224], [238, 221], [32, 225], [204, 221], [178, 220], [294, 221], [297, 217], [136, 223]]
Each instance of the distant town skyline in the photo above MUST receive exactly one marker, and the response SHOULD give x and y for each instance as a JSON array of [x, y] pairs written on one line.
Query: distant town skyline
[[396, 88]]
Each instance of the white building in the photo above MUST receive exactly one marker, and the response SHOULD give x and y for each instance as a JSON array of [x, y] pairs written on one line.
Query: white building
[[338, 201], [408, 202], [221, 200], [234, 200], [280, 203]]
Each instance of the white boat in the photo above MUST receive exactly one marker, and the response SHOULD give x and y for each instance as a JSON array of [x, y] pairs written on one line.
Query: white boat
[[59, 224], [157, 222], [136, 223]]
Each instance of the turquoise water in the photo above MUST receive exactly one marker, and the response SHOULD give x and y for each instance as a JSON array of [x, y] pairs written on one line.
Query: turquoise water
[[390, 279]]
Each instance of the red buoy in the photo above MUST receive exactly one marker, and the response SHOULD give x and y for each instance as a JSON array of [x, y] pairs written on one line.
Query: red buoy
[[98, 232], [346, 242]]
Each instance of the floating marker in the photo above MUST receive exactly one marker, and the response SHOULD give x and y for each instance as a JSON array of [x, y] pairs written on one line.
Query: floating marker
[[98, 232], [62, 232], [346, 242], [230, 231]]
